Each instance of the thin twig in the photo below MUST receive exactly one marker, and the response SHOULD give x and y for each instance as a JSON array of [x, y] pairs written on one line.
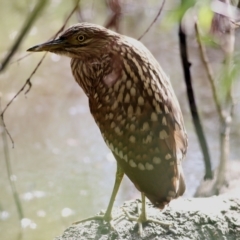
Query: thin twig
[[154, 20], [27, 25], [5, 127], [69, 16], [225, 124], [229, 79], [55, 35], [28, 81], [21, 58], [209, 72], [9, 168]]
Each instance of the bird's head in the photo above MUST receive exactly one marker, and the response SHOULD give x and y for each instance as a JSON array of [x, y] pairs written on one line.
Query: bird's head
[[82, 40]]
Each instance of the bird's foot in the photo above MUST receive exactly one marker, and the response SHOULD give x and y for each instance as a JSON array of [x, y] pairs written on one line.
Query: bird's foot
[[106, 218], [142, 218]]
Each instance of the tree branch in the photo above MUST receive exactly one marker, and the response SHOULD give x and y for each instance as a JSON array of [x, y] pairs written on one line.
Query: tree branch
[[154, 20], [28, 82], [9, 167], [209, 72], [192, 103], [27, 25]]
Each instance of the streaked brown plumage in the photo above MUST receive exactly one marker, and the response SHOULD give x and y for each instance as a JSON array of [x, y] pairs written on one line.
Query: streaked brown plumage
[[133, 104]]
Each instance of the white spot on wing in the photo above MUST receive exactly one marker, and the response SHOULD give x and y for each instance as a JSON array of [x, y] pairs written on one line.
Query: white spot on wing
[[164, 121], [149, 90], [120, 97], [116, 151], [148, 139], [166, 109], [127, 98], [133, 91], [130, 110], [110, 116], [141, 166], [120, 154], [118, 131], [125, 158], [168, 156], [129, 84], [115, 105], [132, 163], [156, 160], [154, 117], [149, 166], [163, 134], [145, 127], [158, 109], [132, 127], [140, 100], [111, 146], [138, 111], [132, 139]]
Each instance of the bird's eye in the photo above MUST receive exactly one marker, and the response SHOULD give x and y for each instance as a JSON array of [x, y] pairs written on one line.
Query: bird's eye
[[80, 38]]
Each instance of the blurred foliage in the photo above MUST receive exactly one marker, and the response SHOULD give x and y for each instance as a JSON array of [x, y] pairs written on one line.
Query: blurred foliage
[[205, 16], [177, 14]]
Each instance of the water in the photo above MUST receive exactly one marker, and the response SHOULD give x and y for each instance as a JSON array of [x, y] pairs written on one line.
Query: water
[[62, 168]]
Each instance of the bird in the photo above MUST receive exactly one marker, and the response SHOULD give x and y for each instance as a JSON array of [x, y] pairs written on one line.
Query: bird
[[134, 105]]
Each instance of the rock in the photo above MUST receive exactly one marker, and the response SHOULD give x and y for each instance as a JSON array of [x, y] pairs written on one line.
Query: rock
[[195, 218]]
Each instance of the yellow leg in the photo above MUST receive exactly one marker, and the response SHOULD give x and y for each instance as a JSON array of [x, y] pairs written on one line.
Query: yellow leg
[[143, 216], [108, 214], [118, 180]]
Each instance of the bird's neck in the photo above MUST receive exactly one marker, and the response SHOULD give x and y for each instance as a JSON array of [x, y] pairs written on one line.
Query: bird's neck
[[90, 73]]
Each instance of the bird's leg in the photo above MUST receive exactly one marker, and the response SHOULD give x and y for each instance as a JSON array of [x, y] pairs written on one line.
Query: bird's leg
[[143, 216], [118, 180], [107, 216]]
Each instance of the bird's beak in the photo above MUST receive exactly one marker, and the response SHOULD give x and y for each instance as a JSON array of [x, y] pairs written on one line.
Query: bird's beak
[[48, 46]]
